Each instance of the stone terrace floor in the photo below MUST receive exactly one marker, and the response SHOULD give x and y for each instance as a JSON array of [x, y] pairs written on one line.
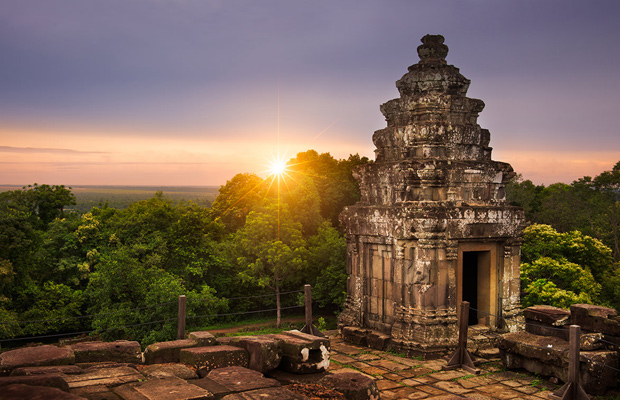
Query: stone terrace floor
[[406, 378]]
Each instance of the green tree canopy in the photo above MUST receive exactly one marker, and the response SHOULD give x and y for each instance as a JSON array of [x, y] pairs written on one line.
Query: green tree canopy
[[578, 267]]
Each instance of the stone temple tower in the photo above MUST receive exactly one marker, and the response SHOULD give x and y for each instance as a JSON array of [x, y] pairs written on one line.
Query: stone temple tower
[[432, 227]]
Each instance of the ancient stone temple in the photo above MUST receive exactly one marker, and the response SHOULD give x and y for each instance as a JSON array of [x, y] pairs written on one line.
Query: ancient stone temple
[[432, 227]]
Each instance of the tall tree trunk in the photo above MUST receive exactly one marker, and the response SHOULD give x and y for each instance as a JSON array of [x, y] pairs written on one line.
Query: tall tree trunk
[[278, 311]]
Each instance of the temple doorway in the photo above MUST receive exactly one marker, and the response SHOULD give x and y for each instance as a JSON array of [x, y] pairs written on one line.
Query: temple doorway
[[477, 283]]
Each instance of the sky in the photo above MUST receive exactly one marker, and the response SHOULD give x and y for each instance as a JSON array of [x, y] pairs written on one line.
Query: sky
[[192, 92]]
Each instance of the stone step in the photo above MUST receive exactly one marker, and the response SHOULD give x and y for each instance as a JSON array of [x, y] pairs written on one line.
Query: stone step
[[167, 352], [122, 351], [264, 353], [205, 359], [162, 389], [35, 357], [239, 379], [302, 353], [108, 377]]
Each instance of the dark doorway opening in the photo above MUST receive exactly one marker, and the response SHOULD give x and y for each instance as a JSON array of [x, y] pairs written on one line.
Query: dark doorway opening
[[470, 284]]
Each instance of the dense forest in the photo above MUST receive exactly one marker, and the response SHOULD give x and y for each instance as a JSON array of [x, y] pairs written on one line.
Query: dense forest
[[123, 269], [570, 252], [119, 271]]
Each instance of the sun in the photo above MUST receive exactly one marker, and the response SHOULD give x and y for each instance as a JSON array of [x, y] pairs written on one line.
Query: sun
[[277, 167]]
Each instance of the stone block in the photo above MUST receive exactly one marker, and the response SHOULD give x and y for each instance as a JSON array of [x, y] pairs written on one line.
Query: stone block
[[122, 351], [211, 386], [203, 338], [34, 357], [547, 315], [595, 319], [167, 352], [239, 379], [354, 385], [289, 378], [355, 335], [49, 370], [96, 392], [549, 356], [264, 353], [18, 391], [162, 389], [274, 393], [55, 381], [378, 340], [591, 341], [303, 353], [169, 370], [104, 376], [547, 321], [317, 391], [208, 358], [591, 310]]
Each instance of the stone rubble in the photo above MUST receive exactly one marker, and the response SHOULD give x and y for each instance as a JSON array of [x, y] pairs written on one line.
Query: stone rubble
[[543, 347], [355, 371]]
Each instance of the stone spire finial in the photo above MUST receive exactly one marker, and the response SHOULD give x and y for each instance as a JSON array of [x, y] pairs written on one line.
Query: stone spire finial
[[433, 51]]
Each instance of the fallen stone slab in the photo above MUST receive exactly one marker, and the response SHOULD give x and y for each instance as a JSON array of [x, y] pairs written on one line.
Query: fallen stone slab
[[162, 389], [302, 353], [288, 378], [18, 391], [547, 321], [48, 370], [167, 352], [315, 391], [168, 370], [55, 381], [34, 357], [239, 379], [355, 335], [203, 338], [122, 351], [105, 364], [208, 358], [96, 392], [378, 340], [104, 376], [278, 393], [354, 385], [264, 353], [549, 356], [211, 386], [595, 319]]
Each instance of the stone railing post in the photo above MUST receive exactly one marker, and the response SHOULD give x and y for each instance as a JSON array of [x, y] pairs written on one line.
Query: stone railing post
[[181, 317]]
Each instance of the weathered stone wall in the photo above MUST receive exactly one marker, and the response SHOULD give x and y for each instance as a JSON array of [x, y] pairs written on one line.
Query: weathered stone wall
[[543, 347], [432, 193]]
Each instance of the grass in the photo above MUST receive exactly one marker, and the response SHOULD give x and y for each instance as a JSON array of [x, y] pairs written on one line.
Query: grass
[[266, 325]]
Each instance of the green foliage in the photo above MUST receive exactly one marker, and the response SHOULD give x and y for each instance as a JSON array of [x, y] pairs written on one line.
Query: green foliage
[[565, 268], [589, 205], [333, 179], [559, 283], [127, 265], [326, 270], [271, 249]]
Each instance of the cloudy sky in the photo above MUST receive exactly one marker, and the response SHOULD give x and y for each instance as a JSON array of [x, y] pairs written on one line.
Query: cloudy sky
[[191, 92]]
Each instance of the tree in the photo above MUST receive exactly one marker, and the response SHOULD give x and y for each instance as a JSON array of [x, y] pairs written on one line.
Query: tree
[[608, 184], [559, 283], [237, 198], [332, 178], [270, 249], [326, 271], [579, 265]]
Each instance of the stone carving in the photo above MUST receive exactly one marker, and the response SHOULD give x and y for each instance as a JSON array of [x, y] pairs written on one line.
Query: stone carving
[[432, 227]]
